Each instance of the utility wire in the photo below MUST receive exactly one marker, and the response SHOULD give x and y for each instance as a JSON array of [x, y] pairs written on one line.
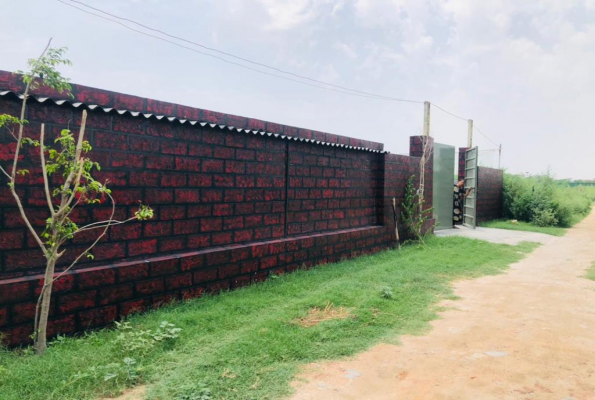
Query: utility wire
[[448, 112], [485, 136], [332, 87], [226, 53], [464, 119], [230, 62]]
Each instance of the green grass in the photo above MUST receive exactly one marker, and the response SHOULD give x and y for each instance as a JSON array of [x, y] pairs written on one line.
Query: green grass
[[529, 227], [591, 272], [525, 226], [244, 345]]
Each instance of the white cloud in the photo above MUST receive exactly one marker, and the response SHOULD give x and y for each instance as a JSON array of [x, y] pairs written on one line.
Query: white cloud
[[286, 15], [346, 49]]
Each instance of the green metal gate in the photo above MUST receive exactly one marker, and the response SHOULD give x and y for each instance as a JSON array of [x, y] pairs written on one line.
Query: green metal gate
[[444, 167], [470, 207]]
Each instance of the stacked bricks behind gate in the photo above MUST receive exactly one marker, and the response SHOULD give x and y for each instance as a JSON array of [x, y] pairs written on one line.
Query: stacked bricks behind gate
[[231, 208]]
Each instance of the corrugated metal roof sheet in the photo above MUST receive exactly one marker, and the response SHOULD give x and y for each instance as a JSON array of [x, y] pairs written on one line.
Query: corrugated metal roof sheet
[[94, 107]]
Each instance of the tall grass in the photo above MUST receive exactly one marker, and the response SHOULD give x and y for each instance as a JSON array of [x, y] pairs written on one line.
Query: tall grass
[[543, 201]]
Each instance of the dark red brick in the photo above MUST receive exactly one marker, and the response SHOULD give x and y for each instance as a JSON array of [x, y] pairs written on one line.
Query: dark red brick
[[217, 287], [202, 210], [213, 166], [152, 286], [192, 262], [226, 271], [268, 262], [211, 224], [127, 102], [145, 144], [128, 124], [134, 306], [159, 196], [188, 196], [95, 277], [240, 281], [167, 245], [97, 317], [142, 247], [62, 325], [110, 140], [143, 178], [125, 231], [160, 107], [200, 149], [221, 238], [12, 239], [133, 272], [162, 129], [115, 294], [178, 281], [185, 227], [165, 267], [77, 301], [160, 162], [157, 228], [174, 147], [187, 164]]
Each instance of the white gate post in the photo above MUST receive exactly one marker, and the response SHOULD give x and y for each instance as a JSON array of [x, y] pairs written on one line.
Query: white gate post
[[426, 118]]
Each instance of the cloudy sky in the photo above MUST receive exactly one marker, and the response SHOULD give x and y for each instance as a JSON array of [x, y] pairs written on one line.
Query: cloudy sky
[[522, 70]]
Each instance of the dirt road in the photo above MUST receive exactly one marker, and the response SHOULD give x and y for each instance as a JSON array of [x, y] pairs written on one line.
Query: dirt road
[[528, 334]]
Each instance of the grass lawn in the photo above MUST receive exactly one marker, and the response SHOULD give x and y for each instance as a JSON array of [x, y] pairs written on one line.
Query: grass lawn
[[528, 227], [247, 344], [524, 226], [591, 272]]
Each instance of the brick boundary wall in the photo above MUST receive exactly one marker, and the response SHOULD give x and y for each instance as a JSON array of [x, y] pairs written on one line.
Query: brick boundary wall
[[231, 208], [491, 194]]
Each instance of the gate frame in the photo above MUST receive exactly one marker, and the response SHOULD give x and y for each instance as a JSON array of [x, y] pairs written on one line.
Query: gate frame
[[471, 180]]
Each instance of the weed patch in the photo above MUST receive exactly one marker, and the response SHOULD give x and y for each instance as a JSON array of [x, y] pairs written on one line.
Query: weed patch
[[317, 315]]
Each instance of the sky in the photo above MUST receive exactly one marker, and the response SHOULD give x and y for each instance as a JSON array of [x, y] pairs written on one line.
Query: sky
[[522, 70]]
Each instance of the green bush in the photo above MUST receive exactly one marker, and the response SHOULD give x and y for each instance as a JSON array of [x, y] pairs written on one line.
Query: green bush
[[544, 218], [544, 201]]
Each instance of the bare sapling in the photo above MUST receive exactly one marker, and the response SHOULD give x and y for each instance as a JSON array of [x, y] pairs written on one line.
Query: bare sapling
[[68, 183]]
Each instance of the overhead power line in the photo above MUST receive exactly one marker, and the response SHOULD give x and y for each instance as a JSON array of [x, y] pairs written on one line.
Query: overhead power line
[[367, 94], [449, 113], [485, 136], [223, 59], [300, 78]]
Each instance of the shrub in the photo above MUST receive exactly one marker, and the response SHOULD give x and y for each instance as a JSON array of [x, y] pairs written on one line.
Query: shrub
[[544, 218], [544, 201]]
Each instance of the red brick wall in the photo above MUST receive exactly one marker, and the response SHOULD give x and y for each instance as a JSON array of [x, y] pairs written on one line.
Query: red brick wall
[[490, 194], [231, 208]]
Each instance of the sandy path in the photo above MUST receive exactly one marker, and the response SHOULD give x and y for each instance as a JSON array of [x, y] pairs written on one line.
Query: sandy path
[[528, 334]]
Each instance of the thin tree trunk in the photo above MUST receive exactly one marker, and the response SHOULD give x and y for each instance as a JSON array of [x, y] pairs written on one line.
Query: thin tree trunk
[[44, 309]]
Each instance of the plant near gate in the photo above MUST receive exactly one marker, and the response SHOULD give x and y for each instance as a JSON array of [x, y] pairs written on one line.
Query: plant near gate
[[413, 214], [67, 164]]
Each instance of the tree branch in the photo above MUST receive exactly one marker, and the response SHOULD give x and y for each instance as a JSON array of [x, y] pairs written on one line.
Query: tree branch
[[46, 183], [93, 244]]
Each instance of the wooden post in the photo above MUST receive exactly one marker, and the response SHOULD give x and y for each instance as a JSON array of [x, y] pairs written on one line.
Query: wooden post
[[499, 155], [470, 134], [426, 118], [395, 218]]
